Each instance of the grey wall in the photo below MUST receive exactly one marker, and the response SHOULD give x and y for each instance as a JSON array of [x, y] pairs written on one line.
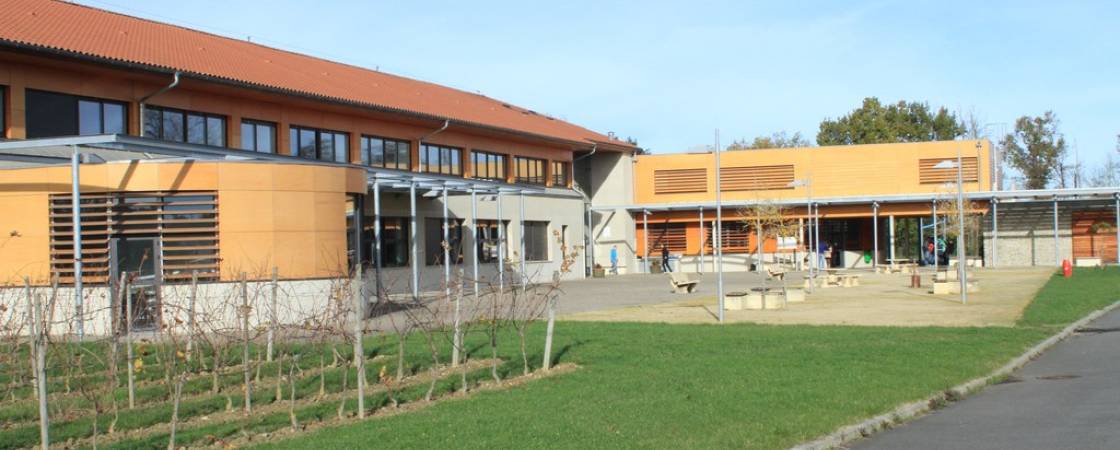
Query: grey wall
[[1026, 235]]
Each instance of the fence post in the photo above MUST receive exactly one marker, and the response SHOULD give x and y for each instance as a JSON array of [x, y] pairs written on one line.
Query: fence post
[[128, 347], [272, 313], [190, 314], [359, 354], [245, 344], [41, 372]]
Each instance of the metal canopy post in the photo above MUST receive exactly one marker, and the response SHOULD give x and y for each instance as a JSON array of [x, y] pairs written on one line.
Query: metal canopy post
[[76, 211], [377, 238], [645, 245], [701, 266], [995, 232], [474, 240], [521, 218], [719, 233], [935, 237], [875, 234], [446, 249], [501, 247], [1057, 254], [1116, 225], [890, 235], [412, 257]]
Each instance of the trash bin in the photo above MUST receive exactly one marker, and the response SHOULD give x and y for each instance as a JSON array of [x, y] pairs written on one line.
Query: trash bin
[[867, 257]]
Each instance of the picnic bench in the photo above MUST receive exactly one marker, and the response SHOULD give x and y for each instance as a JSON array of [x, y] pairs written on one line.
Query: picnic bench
[[683, 282]]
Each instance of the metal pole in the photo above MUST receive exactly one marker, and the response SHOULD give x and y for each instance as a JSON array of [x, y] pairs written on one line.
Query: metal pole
[[589, 242], [995, 232], [1057, 254], [935, 259], [961, 262], [874, 234], [817, 234], [412, 242], [1116, 225], [521, 217], [501, 247], [701, 241], [645, 245], [76, 211], [446, 249], [891, 236], [719, 234], [377, 238], [474, 239], [758, 237]]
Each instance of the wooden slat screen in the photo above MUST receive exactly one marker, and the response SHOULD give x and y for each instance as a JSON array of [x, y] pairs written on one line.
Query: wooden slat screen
[[1093, 235], [668, 234], [927, 174], [186, 223], [736, 237], [756, 178], [676, 181]]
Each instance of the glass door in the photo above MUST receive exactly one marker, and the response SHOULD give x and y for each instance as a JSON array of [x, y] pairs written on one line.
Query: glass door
[[139, 260]]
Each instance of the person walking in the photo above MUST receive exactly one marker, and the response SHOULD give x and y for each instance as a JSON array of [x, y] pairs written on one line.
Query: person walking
[[822, 249], [665, 267], [614, 259]]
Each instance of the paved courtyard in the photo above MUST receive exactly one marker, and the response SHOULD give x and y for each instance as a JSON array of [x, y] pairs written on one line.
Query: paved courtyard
[[881, 300]]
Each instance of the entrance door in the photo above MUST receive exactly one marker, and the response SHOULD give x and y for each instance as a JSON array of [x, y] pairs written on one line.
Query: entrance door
[[139, 259]]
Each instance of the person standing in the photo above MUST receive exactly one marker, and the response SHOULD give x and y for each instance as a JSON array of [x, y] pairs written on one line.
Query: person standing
[[665, 267], [614, 259], [822, 249]]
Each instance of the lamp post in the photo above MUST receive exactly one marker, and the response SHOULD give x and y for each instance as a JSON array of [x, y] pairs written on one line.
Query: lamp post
[[719, 233], [808, 184], [949, 164]]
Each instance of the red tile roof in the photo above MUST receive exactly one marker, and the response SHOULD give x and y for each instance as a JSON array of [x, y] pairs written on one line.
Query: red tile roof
[[82, 30]]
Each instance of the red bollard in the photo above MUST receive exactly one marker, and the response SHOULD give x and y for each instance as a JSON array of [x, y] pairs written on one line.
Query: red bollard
[[1067, 268]]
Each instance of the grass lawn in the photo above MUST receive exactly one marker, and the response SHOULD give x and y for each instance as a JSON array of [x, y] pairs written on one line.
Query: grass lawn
[[743, 385]]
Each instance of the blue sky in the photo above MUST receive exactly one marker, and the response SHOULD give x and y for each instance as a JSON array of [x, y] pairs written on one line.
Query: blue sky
[[668, 74]]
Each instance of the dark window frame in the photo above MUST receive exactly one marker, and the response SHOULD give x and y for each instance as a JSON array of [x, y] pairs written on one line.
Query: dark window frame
[[318, 132], [256, 144], [78, 99], [440, 151], [3, 111], [367, 157], [531, 163], [486, 156], [186, 133]]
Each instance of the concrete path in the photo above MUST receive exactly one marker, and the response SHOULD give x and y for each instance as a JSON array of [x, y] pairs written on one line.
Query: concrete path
[[595, 294], [1067, 399]]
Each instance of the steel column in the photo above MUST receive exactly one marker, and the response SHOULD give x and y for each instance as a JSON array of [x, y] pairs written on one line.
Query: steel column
[[645, 245], [890, 234], [1057, 254], [501, 247], [412, 244], [521, 218], [995, 232], [377, 238], [701, 266], [875, 234], [935, 237], [76, 211]]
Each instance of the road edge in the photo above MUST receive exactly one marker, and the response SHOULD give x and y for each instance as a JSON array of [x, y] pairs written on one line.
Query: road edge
[[913, 410]]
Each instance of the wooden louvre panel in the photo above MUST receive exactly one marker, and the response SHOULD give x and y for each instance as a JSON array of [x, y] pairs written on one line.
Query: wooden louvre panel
[[676, 181], [927, 174], [756, 178], [668, 234], [186, 224], [1093, 235], [736, 237]]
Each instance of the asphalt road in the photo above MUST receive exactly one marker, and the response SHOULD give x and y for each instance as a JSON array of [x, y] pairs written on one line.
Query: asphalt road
[[1069, 398]]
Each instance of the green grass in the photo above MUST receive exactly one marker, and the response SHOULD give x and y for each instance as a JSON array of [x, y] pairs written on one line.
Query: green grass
[[744, 385], [1063, 300]]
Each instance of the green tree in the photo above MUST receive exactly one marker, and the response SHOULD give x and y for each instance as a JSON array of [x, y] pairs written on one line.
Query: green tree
[[1036, 149], [875, 123], [775, 140]]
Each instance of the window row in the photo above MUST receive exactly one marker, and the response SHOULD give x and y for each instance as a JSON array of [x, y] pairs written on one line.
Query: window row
[[395, 237], [53, 114]]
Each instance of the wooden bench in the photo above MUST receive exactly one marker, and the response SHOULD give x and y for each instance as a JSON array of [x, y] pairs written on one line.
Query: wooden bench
[[683, 282], [775, 274]]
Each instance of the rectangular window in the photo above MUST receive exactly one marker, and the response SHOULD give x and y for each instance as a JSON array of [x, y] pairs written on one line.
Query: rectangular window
[[323, 145], [441, 160], [560, 173], [433, 240], [258, 136], [488, 240], [489, 166], [528, 170], [387, 153], [536, 241], [394, 241], [178, 125], [52, 114]]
